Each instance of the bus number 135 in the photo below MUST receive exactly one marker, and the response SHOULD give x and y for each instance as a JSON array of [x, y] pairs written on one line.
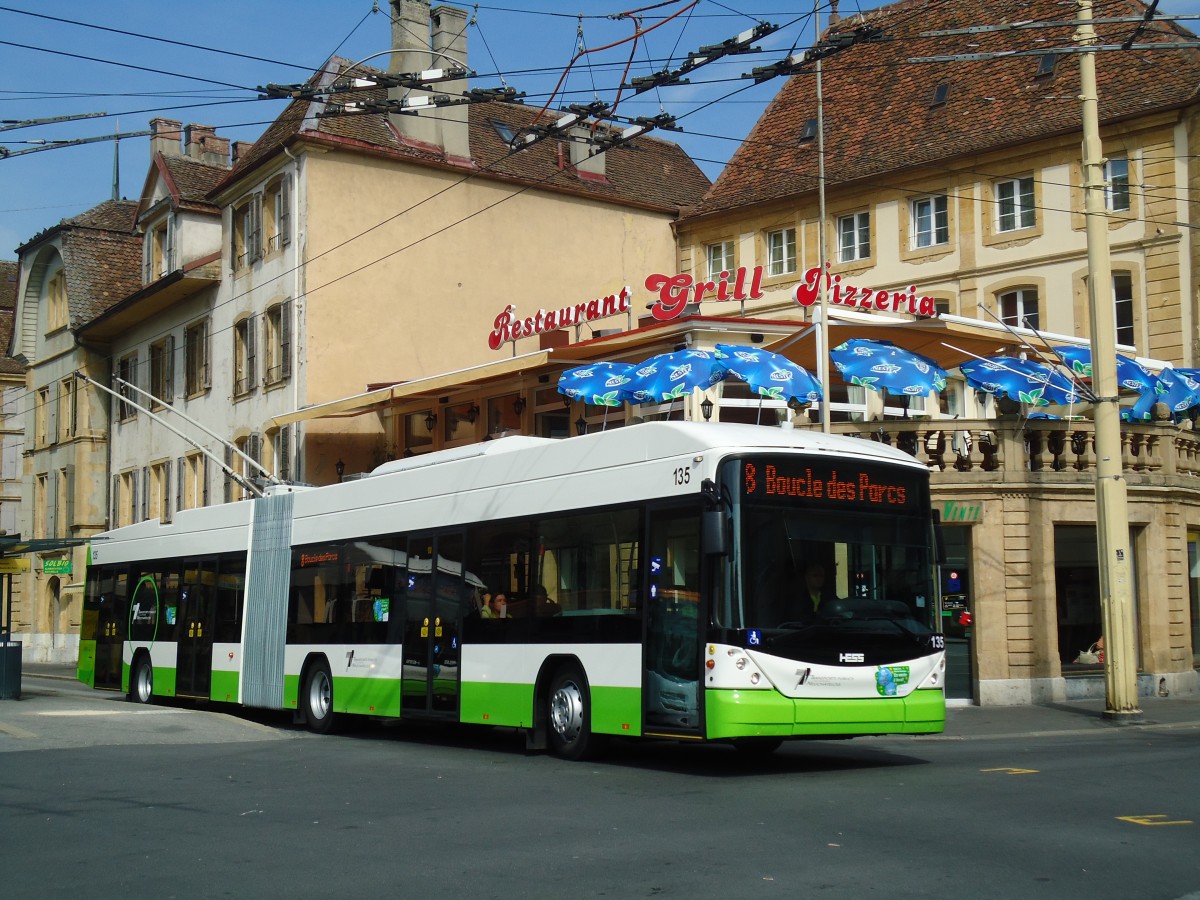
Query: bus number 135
[[683, 475]]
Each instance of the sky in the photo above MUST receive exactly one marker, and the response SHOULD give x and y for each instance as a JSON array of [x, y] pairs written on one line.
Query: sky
[[130, 61]]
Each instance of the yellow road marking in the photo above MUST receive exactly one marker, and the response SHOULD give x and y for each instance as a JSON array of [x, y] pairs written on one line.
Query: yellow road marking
[[1011, 771], [1156, 819]]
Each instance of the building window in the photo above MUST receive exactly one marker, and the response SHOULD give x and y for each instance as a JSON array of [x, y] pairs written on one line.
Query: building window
[[56, 295], [931, 222], [40, 493], [68, 410], [1020, 308], [1123, 307], [158, 499], [277, 216], [281, 450], [720, 259], [248, 446], [244, 341], [127, 373], [160, 250], [196, 361], [162, 370], [781, 251], [246, 246], [1014, 199], [1116, 184], [192, 489], [277, 342], [854, 236], [125, 498]]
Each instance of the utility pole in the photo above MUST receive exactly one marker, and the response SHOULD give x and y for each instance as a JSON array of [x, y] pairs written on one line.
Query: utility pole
[[822, 239], [1112, 514]]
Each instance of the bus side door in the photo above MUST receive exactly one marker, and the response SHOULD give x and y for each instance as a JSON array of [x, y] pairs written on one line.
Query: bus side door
[[195, 624], [434, 606], [109, 604]]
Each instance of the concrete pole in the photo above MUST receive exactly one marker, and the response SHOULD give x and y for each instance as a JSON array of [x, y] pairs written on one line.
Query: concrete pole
[[1112, 514], [823, 303]]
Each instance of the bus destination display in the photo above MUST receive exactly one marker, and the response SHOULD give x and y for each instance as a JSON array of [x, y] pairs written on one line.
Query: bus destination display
[[829, 484]]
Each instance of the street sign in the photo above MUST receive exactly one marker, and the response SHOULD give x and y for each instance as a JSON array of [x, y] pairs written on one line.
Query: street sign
[[56, 566], [13, 565]]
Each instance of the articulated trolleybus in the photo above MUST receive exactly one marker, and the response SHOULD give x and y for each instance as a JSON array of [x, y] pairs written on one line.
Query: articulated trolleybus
[[688, 581]]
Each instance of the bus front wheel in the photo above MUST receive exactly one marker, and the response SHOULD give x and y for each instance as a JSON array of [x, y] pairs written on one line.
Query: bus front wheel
[[141, 689], [569, 715], [318, 699]]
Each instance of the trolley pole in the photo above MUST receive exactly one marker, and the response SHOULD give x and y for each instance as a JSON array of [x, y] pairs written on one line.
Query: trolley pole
[[1112, 515]]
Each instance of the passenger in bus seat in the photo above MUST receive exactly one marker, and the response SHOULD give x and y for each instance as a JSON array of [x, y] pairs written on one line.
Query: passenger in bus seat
[[542, 604]]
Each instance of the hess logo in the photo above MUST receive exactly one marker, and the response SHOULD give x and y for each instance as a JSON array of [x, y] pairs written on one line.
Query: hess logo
[[851, 657]]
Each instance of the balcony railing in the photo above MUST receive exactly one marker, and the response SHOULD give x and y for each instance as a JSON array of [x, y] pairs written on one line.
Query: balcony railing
[[1011, 446]]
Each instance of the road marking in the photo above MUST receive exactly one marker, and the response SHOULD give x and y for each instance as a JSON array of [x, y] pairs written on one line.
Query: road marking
[[65, 713], [14, 731], [1156, 819], [1007, 770]]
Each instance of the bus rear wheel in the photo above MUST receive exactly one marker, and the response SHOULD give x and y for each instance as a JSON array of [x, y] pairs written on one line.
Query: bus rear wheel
[[141, 688], [317, 698], [569, 715]]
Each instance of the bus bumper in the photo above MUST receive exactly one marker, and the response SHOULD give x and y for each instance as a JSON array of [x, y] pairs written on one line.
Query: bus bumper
[[735, 714]]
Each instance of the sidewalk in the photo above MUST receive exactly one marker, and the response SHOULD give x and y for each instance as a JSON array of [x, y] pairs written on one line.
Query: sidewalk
[[962, 722]]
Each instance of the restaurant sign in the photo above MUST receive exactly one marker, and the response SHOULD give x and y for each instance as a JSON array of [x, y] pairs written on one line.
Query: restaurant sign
[[676, 292]]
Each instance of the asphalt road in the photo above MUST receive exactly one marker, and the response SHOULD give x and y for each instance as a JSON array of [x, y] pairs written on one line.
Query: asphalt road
[[103, 798]]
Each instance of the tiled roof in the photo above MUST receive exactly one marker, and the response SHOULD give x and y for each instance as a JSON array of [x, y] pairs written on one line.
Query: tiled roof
[[102, 256], [194, 179], [877, 104], [8, 307], [649, 171]]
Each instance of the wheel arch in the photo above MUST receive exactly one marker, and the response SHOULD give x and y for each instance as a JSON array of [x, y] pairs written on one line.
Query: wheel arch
[[314, 658], [536, 738]]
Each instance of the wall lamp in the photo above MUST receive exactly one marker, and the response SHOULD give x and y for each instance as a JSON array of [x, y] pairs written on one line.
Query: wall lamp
[[706, 407], [519, 405], [472, 413], [430, 421], [581, 426], [340, 468]]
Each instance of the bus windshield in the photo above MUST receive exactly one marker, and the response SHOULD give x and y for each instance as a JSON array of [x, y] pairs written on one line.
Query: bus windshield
[[830, 557]]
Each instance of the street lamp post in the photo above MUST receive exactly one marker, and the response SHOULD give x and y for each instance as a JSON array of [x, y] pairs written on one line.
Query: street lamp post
[[1112, 514]]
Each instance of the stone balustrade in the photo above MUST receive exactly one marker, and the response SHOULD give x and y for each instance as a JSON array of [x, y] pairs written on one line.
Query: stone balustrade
[[1013, 445]]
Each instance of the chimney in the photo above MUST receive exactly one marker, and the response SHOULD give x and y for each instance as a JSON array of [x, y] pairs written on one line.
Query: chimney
[[204, 146], [834, 18], [241, 149], [431, 39], [165, 137], [583, 144]]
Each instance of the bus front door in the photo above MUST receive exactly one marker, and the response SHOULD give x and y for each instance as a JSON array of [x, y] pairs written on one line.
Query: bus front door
[[433, 612], [110, 605], [195, 626], [671, 678]]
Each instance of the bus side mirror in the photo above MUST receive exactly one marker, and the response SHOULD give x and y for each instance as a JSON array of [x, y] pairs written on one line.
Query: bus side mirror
[[714, 530]]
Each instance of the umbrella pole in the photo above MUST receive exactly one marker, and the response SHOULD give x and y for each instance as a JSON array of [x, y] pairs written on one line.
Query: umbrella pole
[[758, 421]]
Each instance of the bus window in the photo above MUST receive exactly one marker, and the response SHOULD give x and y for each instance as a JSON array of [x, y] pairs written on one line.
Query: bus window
[[588, 563]]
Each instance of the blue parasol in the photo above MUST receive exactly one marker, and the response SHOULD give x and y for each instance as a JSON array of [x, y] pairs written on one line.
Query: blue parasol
[[1023, 380], [599, 383], [768, 374], [1179, 389], [882, 366], [1131, 375], [670, 376]]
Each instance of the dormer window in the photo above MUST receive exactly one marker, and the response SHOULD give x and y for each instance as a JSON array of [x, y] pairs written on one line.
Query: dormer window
[[1046, 64], [159, 252], [809, 132], [939, 95]]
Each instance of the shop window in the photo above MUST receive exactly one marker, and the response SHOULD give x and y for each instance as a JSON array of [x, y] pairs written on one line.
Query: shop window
[[1077, 593], [504, 414], [1193, 544], [418, 432]]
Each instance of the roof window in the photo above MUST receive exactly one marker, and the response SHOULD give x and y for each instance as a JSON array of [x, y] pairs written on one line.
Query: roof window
[[939, 95], [809, 132], [1046, 65]]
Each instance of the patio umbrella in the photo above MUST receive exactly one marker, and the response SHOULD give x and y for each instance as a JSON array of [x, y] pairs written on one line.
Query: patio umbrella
[[1179, 389], [599, 383], [670, 376], [768, 374], [1131, 375], [1023, 380], [882, 366]]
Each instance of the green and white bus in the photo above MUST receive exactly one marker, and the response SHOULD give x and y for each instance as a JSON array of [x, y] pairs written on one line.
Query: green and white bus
[[655, 577]]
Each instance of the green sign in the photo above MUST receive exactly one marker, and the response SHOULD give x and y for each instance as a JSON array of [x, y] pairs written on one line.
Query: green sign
[[56, 566]]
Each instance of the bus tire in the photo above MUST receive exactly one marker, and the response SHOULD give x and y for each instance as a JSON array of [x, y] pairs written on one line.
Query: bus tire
[[141, 683], [317, 699], [569, 715]]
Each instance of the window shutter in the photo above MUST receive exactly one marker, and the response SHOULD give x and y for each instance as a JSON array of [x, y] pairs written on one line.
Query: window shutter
[[113, 502], [133, 496], [254, 450], [285, 211], [170, 249], [148, 259], [228, 479], [69, 504], [251, 351], [166, 491], [285, 453], [180, 470], [52, 415], [169, 369], [204, 483], [256, 219], [145, 493], [207, 375], [285, 339], [234, 216], [51, 504]]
